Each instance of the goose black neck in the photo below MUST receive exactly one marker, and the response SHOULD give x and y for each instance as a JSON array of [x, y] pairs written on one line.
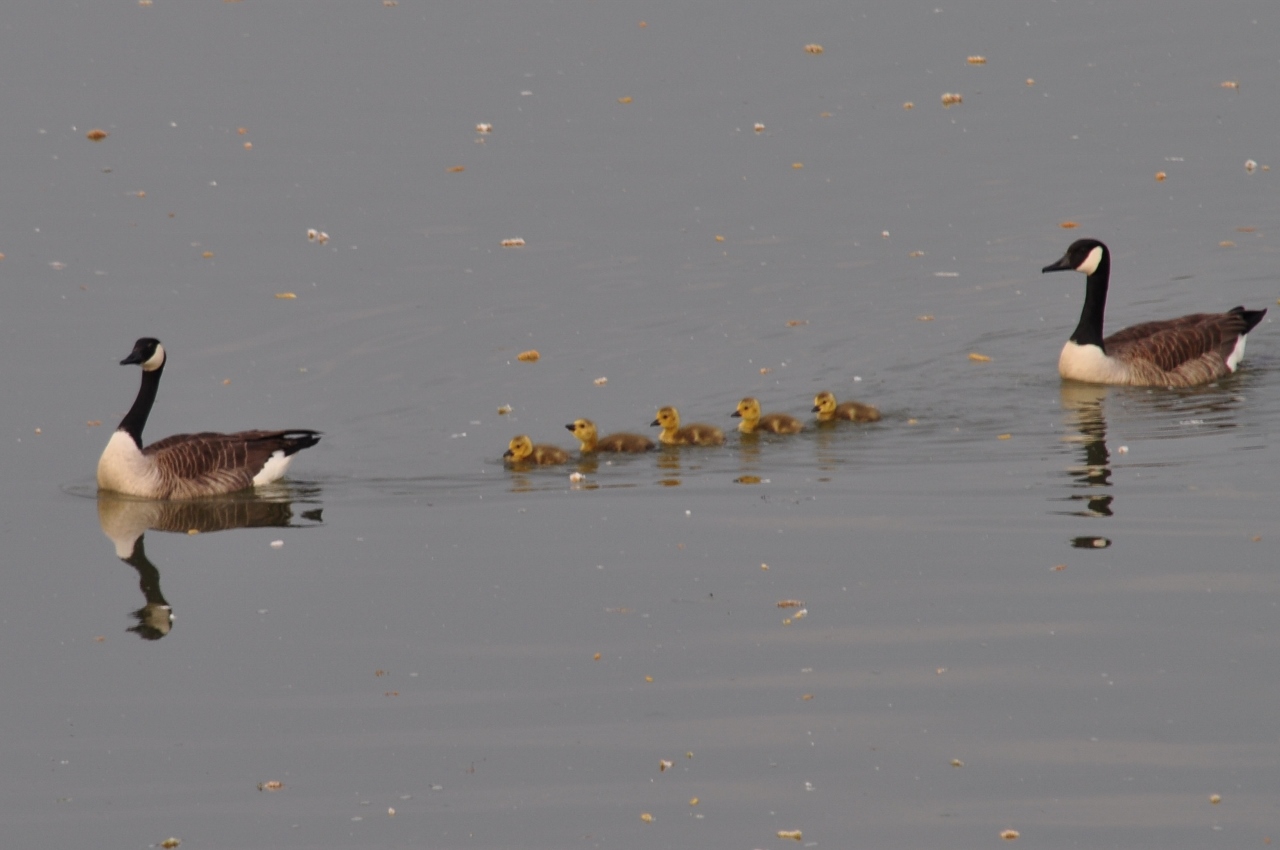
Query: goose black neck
[[136, 419], [1089, 331]]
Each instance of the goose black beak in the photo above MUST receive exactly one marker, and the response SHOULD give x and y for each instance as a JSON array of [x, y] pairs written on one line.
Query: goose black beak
[[815, 409], [569, 426], [654, 423], [735, 413], [1063, 265]]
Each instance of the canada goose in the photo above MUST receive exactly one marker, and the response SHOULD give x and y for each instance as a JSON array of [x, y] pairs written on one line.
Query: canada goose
[[824, 404], [776, 423], [1179, 352], [522, 452], [585, 431], [696, 434], [187, 466]]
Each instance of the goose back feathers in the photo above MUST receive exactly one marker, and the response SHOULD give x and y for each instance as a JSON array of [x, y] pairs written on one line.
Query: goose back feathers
[[187, 466], [1181, 352]]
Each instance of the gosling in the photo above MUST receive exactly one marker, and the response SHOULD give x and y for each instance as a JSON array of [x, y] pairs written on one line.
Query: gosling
[[522, 452], [775, 423], [697, 434], [824, 404], [585, 431]]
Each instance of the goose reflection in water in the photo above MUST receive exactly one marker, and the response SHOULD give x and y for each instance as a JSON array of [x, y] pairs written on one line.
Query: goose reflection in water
[[125, 520], [1083, 404]]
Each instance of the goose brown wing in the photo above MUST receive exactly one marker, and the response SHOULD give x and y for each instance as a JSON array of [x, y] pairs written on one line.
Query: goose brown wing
[[1170, 344], [212, 462]]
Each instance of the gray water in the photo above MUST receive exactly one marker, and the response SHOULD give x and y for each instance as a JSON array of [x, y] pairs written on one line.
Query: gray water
[[1081, 615]]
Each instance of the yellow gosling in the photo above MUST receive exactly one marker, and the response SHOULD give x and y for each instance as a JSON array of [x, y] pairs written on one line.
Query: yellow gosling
[[585, 431], [522, 451], [824, 404], [774, 423], [697, 434]]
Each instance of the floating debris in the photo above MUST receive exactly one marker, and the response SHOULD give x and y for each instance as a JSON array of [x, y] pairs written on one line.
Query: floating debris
[[977, 60], [693, 801], [957, 763], [646, 817], [457, 169], [797, 165], [925, 318], [272, 785], [759, 128], [1226, 243], [795, 323], [504, 410], [626, 99], [96, 135], [1215, 799], [1057, 568], [979, 358], [815, 49], [1230, 84], [1250, 166], [1004, 437], [663, 764], [601, 381], [1161, 176], [1010, 834], [208, 255], [793, 834], [513, 243], [530, 356], [908, 105], [484, 129], [1069, 225], [789, 603], [1030, 81], [286, 296], [950, 99], [575, 477]]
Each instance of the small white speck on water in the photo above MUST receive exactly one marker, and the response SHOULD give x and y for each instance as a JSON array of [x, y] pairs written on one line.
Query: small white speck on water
[[276, 544]]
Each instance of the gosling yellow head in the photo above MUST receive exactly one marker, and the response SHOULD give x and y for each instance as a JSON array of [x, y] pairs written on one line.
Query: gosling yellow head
[[824, 404], [585, 431], [522, 451], [774, 423], [697, 434]]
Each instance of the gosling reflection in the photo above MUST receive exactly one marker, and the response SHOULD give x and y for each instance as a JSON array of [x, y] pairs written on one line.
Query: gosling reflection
[[126, 520], [1083, 404]]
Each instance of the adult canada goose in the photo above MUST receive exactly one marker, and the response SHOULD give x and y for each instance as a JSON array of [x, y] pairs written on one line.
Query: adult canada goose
[[824, 404], [776, 423], [187, 466], [1179, 352], [697, 434], [522, 452], [585, 431]]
